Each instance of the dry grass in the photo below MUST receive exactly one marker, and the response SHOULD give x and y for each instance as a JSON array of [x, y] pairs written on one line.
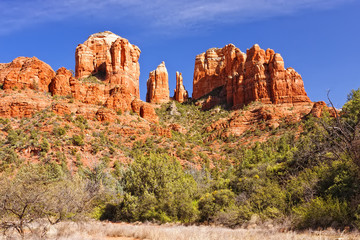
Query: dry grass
[[179, 232], [124, 231]]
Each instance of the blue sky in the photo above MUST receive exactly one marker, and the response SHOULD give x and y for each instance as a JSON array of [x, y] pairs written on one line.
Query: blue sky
[[319, 38]]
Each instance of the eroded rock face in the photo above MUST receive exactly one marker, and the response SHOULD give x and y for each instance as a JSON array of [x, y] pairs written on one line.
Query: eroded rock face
[[259, 116], [158, 85], [180, 93], [24, 72], [144, 110], [239, 78], [4, 70], [320, 108], [107, 74], [23, 104], [60, 84], [111, 58], [60, 109]]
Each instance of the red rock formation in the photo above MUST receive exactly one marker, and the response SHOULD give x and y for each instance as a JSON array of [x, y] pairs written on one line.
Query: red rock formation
[[177, 128], [180, 93], [158, 85], [160, 131], [145, 110], [242, 78], [320, 108], [60, 84], [108, 70], [256, 116], [23, 104], [119, 99], [24, 72], [105, 115], [88, 92], [4, 70], [110, 58], [60, 109], [125, 65]]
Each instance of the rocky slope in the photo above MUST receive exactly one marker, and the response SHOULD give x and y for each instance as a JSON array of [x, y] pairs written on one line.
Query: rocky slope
[[261, 96]]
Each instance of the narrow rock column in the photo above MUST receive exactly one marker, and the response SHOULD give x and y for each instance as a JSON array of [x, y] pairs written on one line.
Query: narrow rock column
[[180, 93], [158, 85]]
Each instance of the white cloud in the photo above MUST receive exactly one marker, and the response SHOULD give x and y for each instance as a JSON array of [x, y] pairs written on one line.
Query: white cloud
[[17, 14]]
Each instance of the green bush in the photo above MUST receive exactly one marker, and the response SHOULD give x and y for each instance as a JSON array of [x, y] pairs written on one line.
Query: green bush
[[59, 131], [157, 189], [211, 204], [323, 212], [45, 146], [351, 108], [78, 140], [38, 194]]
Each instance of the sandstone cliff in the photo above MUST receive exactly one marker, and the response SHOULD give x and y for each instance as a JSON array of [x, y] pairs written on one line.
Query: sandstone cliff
[[4, 70], [180, 93], [158, 85], [235, 78], [110, 58], [107, 71], [24, 72]]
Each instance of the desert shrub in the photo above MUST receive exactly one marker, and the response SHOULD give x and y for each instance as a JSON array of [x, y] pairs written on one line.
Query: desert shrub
[[351, 109], [323, 212], [339, 179], [59, 131], [45, 145], [92, 79], [41, 192], [78, 140], [8, 157], [210, 204], [157, 189], [95, 148], [7, 128], [17, 138], [81, 122]]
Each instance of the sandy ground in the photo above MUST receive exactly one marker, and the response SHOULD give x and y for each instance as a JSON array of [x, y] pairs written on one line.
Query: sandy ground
[[120, 238]]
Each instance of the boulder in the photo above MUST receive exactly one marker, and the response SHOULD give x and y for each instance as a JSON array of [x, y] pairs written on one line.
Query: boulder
[[144, 110], [319, 108]]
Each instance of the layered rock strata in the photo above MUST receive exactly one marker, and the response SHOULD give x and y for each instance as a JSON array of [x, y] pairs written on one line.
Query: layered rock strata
[[239, 78], [180, 93], [107, 71], [158, 85], [110, 58], [24, 72]]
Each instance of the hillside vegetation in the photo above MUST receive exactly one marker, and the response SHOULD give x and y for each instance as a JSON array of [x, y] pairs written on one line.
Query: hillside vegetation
[[302, 175]]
